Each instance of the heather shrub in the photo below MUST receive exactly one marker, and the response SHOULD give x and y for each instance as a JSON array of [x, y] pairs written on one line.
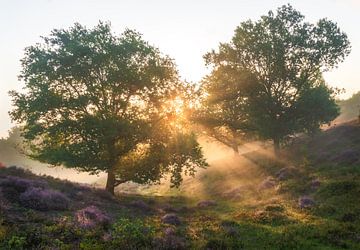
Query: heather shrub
[[91, 217], [140, 205], [13, 186], [21, 184], [171, 219], [306, 202], [13, 170], [268, 183], [207, 203], [3, 202], [44, 199]]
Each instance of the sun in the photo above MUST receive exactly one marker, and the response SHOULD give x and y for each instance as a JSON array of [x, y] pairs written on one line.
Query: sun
[[175, 106], [174, 109], [178, 105]]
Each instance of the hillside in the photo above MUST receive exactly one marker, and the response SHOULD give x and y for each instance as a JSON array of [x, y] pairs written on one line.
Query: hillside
[[349, 108], [308, 200], [10, 155]]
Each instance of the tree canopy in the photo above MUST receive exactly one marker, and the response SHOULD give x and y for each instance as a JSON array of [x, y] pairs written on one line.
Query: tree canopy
[[99, 102], [267, 81]]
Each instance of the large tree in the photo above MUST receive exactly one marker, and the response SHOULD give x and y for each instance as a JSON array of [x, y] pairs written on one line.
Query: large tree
[[267, 81], [96, 102]]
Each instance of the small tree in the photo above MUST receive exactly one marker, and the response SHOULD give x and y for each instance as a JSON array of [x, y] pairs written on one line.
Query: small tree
[[97, 102], [268, 80]]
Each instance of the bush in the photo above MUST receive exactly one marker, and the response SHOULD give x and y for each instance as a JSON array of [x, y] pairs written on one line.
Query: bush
[[13, 170], [171, 219], [44, 199], [134, 234], [17, 242], [3, 202], [21, 184], [13, 186], [91, 217]]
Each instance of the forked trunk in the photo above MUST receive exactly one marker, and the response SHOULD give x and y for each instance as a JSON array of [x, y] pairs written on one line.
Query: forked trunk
[[110, 183]]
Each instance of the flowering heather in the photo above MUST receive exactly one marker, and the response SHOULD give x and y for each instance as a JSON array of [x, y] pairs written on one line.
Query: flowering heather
[[21, 184], [3, 202], [141, 205], [91, 217], [171, 219], [306, 202], [207, 203], [44, 199]]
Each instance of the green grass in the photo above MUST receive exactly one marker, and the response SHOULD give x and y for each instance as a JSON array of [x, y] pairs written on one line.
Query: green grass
[[267, 219]]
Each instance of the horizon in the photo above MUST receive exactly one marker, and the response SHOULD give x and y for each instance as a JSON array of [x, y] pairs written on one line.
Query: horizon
[[183, 30]]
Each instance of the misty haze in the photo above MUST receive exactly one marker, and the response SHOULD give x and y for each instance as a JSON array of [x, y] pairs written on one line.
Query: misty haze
[[180, 125]]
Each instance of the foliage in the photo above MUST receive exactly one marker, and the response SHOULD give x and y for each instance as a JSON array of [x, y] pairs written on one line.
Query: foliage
[[133, 234], [95, 100], [267, 81], [16, 242]]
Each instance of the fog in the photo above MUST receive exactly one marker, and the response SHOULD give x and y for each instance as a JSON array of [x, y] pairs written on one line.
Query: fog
[[228, 174]]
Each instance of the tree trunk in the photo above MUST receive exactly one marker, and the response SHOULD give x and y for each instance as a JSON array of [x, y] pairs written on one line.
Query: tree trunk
[[235, 145], [235, 148], [276, 146], [110, 183]]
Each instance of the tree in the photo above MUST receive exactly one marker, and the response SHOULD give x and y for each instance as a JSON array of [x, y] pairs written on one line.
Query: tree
[[97, 102], [267, 81], [222, 115]]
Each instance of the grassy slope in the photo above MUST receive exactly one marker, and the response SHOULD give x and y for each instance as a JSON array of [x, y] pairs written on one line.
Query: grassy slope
[[246, 216]]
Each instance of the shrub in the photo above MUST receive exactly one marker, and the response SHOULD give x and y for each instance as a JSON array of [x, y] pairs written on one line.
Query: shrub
[[91, 217], [171, 219], [3, 202], [13, 186], [21, 184], [141, 205], [44, 199], [134, 234], [207, 203], [268, 183], [306, 202], [17, 242], [15, 171]]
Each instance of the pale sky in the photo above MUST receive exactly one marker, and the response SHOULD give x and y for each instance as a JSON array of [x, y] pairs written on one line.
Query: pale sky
[[183, 29]]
